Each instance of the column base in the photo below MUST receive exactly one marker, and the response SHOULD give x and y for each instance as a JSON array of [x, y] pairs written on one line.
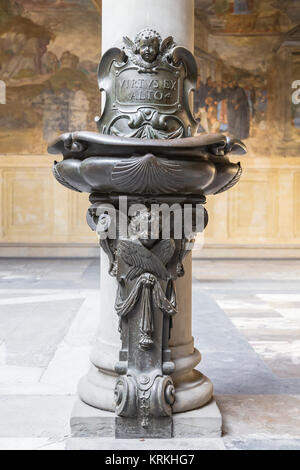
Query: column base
[[193, 389], [88, 422]]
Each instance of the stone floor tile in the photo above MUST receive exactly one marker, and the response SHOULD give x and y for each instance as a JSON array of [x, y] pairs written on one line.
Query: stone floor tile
[[61, 376], [208, 314], [283, 357], [260, 314], [262, 444], [247, 269], [40, 299], [35, 416], [285, 304], [265, 323], [284, 367], [241, 373], [253, 286], [34, 341], [260, 416], [290, 314], [31, 444], [10, 319], [245, 323], [271, 334], [145, 444], [281, 297], [18, 376], [240, 305]]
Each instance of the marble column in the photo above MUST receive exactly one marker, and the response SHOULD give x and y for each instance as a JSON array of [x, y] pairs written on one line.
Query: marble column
[[193, 390], [128, 17]]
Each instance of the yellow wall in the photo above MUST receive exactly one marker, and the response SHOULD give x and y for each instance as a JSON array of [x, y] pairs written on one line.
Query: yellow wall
[[35, 208], [263, 210]]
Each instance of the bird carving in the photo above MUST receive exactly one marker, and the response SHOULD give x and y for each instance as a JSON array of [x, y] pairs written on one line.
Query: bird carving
[[142, 260]]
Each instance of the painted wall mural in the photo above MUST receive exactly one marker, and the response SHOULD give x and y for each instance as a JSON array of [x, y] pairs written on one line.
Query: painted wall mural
[[248, 53], [49, 52]]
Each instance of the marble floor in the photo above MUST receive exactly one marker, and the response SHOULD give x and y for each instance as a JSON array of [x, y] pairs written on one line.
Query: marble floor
[[246, 324]]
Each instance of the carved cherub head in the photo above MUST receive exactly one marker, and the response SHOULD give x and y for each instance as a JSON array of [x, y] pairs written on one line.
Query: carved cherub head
[[148, 49], [147, 44]]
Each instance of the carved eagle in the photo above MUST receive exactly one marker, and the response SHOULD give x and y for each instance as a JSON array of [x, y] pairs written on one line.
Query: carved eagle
[[141, 260]]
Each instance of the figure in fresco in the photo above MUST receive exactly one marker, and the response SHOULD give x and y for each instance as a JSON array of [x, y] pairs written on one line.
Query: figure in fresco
[[61, 110], [262, 102], [222, 116], [241, 7], [261, 108], [238, 112], [65, 97], [48, 105], [296, 115], [2, 92], [223, 107], [222, 7], [251, 95], [200, 104], [212, 116], [200, 95], [78, 112]]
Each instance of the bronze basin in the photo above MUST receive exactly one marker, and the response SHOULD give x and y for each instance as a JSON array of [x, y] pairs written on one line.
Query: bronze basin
[[104, 164]]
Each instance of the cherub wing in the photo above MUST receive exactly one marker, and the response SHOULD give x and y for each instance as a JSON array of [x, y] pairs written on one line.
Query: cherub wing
[[164, 250], [166, 45], [141, 260], [129, 45]]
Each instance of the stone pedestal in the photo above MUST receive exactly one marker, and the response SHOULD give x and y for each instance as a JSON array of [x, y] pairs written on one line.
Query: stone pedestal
[[89, 423]]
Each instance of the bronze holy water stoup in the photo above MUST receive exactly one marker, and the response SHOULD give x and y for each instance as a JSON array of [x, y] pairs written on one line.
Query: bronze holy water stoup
[[146, 150]]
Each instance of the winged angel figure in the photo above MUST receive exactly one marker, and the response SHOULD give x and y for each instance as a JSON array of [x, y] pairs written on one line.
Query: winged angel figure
[[141, 260], [146, 268], [148, 50], [143, 266]]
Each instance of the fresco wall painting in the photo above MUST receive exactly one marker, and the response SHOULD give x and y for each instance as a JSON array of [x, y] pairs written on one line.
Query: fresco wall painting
[[49, 52], [247, 64], [248, 57]]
